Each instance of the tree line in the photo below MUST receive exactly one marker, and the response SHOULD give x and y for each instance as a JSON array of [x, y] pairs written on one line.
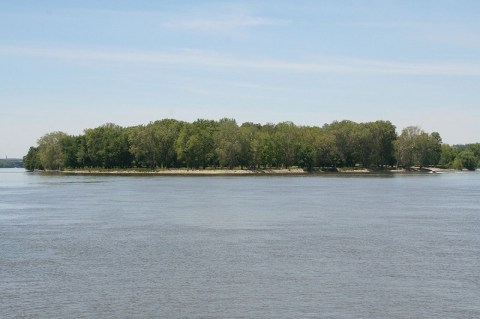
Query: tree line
[[11, 163], [169, 143]]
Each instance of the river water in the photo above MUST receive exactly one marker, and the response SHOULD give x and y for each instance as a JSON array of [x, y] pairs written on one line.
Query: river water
[[386, 246]]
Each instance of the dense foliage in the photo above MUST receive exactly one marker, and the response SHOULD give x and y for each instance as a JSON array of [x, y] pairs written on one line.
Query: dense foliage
[[224, 144], [11, 163]]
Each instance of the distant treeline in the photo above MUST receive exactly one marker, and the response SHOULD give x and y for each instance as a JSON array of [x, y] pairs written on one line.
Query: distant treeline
[[11, 163], [170, 143]]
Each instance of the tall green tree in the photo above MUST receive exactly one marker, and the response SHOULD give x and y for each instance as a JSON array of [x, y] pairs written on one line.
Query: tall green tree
[[267, 147], [447, 156], [415, 147], [83, 159], [382, 136], [363, 140], [32, 161], [307, 152], [428, 149], [466, 159], [141, 147], [326, 147], [250, 154], [405, 146], [51, 150], [475, 149], [108, 146], [228, 144], [168, 131], [346, 141], [70, 146], [286, 143], [154, 145], [195, 145]]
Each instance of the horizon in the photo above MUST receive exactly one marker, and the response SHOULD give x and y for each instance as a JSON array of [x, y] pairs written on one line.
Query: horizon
[[68, 67]]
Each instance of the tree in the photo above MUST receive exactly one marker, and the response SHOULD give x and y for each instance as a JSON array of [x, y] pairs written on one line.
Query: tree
[[227, 143], [326, 149], [427, 149], [141, 147], [267, 147], [382, 137], [457, 149], [405, 146], [70, 146], [31, 161], [108, 146], [346, 141], [82, 154], [154, 144], [250, 154], [307, 152], [286, 143], [447, 155], [475, 148], [415, 147], [195, 144], [167, 132], [51, 150], [466, 159]]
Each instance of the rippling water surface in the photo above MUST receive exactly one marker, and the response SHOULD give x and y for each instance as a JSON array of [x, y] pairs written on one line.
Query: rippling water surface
[[392, 246]]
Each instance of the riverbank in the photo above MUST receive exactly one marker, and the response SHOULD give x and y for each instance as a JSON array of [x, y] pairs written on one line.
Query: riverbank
[[294, 171], [416, 169], [213, 172]]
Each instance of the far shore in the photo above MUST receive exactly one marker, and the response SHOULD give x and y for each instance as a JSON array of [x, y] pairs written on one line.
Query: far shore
[[188, 172], [210, 172]]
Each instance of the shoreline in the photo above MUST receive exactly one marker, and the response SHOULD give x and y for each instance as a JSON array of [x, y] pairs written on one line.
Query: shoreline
[[198, 172], [236, 172]]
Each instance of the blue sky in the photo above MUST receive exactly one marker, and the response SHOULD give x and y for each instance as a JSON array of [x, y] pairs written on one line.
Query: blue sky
[[71, 65]]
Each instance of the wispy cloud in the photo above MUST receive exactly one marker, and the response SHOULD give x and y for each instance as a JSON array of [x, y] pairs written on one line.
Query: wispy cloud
[[458, 34], [222, 24], [207, 59], [226, 18]]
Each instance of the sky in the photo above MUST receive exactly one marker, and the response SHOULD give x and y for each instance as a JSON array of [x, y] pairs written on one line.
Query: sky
[[71, 65]]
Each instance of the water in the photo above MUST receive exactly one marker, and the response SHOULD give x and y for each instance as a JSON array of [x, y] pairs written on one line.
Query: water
[[403, 246]]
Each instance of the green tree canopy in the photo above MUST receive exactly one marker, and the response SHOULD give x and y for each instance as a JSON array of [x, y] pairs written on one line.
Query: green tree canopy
[[32, 160], [416, 147], [207, 143], [51, 150], [154, 144], [108, 146], [195, 145], [228, 143], [466, 159]]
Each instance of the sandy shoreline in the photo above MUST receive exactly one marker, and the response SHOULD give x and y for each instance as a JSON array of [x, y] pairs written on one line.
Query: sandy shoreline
[[423, 170], [213, 172], [189, 172]]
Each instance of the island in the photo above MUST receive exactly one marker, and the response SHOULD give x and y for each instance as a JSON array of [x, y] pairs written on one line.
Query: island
[[206, 147]]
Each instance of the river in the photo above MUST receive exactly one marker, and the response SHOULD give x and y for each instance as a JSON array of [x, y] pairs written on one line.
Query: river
[[334, 246]]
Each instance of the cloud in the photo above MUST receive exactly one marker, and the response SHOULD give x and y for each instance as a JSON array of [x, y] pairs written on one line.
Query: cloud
[[222, 24], [208, 59], [227, 18]]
